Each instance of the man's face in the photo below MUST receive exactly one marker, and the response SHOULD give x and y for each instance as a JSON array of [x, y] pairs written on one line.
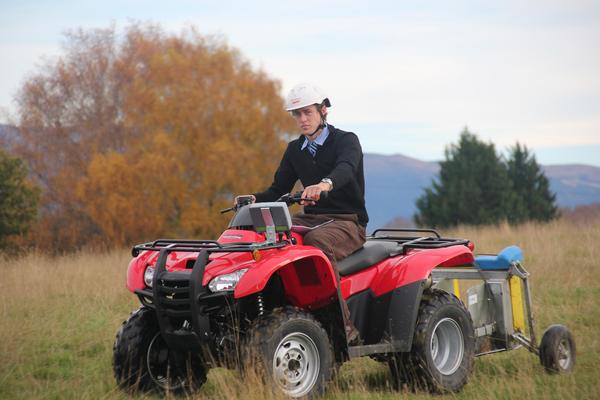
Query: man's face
[[308, 118]]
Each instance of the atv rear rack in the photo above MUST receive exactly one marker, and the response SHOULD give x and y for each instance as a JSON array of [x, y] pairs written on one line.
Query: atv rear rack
[[418, 242]]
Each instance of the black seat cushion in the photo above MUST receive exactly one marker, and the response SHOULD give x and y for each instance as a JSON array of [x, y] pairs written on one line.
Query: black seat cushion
[[371, 253]]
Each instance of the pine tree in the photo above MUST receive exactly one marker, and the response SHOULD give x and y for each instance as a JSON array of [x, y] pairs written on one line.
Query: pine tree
[[531, 186], [472, 188], [18, 199]]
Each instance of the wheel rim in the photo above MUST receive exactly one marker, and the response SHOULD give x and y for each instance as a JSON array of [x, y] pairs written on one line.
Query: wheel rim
[[296, 364], [564, 354], [447, 346], [159, 366]]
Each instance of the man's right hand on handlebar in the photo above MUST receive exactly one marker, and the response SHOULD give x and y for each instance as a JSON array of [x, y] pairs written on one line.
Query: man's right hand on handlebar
[[309, 196], [313, 192]]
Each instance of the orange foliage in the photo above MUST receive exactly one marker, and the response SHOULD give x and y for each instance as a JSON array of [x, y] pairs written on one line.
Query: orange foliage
[[148, 136]]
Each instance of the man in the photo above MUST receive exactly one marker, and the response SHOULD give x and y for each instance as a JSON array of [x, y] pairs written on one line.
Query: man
[[324, 159]]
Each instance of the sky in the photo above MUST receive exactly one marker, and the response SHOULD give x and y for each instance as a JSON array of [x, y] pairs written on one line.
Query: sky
[[406, 76]]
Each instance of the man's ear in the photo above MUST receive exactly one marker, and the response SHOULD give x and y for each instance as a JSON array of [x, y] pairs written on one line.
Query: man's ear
[[323, 109]]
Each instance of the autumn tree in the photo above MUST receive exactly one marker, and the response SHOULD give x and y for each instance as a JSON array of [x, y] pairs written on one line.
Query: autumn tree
[[145, 134], [18, 198]]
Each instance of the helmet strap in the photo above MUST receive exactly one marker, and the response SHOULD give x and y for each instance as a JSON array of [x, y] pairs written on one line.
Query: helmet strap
[[322, 125]]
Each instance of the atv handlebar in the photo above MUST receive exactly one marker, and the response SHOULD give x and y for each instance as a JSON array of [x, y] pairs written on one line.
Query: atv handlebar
[[287, 198], [296, 198]]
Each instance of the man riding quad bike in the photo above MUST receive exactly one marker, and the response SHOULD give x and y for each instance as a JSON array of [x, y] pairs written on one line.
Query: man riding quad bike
[[325, 160], [275, 293], [258, 293]]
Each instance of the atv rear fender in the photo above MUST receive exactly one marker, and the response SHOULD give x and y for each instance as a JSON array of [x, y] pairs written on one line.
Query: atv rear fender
[[417, 266], [404, 270], [307, 276]]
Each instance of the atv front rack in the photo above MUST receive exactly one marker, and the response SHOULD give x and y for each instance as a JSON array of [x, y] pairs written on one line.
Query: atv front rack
[[211, 246]]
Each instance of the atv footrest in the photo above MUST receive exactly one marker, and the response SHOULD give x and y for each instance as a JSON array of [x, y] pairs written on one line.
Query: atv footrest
[[361, 351]]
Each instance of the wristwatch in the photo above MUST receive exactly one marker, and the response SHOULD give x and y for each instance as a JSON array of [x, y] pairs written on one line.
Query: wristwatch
[[329, 181]]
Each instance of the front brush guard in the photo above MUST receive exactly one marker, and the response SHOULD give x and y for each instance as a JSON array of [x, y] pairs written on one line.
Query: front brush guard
[[182, 337]]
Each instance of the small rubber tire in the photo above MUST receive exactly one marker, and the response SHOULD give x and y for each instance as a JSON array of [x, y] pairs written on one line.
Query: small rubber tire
[[557, 350], [135, 344], [294, 351], [433, 364]]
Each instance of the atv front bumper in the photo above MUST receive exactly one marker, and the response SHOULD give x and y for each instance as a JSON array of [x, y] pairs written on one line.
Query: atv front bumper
[[183, 306]]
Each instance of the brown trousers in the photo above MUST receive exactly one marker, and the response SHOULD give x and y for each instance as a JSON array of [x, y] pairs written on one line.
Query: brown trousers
[[337, 239]]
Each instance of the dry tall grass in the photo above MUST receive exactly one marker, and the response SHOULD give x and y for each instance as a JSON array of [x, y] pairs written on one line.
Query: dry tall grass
[[58, 317]]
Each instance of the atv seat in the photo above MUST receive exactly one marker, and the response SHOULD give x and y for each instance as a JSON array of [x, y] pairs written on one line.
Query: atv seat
[[371, 253], [502, 261]]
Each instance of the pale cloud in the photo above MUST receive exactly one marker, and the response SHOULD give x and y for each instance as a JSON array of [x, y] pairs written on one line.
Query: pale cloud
[[511, 71]]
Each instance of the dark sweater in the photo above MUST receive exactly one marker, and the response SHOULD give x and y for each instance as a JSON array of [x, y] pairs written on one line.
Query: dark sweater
[[340, 158]]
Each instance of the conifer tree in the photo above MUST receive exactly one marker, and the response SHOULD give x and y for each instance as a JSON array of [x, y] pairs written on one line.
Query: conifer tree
[[530, 185], [475, 186], [472, 187], [18, 199]]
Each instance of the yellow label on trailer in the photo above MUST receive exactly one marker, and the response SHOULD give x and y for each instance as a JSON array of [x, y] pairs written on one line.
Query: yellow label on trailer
[[518, 309], [456, 287]]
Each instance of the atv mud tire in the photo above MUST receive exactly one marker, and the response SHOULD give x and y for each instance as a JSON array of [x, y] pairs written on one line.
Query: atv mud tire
[[443, 348], [557, 350], [142, 362], [291, 350]]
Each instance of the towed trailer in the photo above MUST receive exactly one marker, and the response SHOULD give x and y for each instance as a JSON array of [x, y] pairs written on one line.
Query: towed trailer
[[501, 308]]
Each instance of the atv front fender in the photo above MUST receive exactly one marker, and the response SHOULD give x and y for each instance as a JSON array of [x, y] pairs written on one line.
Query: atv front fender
[[307, 276]]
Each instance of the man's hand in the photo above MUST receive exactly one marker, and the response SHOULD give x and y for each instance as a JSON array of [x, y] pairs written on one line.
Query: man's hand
[[237, 199], [314, 192]]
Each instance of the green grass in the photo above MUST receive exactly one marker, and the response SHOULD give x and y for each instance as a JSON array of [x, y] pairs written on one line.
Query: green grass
[[58, 318]]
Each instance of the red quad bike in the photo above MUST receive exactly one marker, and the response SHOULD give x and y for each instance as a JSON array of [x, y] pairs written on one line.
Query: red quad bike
[[258, 294]]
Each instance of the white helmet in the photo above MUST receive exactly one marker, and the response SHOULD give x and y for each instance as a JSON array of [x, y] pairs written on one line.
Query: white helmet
[[305, 94]]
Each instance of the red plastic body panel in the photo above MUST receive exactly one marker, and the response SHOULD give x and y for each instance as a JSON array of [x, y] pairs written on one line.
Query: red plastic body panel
[[306, 273], [234, 235], [402, 270]]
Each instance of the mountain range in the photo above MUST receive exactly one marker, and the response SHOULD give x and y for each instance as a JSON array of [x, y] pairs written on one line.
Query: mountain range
[[394, 182]]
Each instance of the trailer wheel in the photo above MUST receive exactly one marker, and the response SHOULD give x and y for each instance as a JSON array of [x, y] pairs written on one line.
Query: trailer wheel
[[443, 349], [143, 362], [557, 350], [293, 352]]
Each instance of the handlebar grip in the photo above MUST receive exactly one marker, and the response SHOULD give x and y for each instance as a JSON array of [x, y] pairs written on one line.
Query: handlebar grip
[[297, 197]]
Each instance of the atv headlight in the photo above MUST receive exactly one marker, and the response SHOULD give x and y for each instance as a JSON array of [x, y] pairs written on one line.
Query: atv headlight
[[226, 282], [148, 275]]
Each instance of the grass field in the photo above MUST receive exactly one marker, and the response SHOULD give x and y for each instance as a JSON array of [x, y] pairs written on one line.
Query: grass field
[[58, 318]]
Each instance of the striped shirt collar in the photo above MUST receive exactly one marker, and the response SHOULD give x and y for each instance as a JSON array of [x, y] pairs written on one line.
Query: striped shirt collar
[[319, 140]]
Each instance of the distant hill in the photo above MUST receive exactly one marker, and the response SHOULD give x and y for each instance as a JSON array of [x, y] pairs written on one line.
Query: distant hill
[[394, 182], [574, 184]]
